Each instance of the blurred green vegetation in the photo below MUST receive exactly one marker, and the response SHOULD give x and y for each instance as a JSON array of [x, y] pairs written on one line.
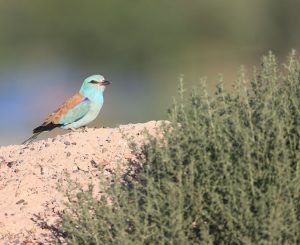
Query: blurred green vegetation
[[225, 170], [138, 34]]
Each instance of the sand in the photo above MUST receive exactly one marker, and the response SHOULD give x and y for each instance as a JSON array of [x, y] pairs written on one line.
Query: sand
[[29, 175]]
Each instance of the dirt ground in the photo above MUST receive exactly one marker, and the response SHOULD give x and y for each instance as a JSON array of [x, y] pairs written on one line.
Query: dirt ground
[[29, 174]]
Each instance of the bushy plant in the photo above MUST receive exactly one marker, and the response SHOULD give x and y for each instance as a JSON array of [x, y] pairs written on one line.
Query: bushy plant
[[225, 170]]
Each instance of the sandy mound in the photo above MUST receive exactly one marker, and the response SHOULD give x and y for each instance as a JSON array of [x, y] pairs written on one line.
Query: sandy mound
[[29, 176]]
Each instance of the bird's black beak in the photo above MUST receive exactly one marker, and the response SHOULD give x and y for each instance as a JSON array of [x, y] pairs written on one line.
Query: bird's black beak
[[105, 82]]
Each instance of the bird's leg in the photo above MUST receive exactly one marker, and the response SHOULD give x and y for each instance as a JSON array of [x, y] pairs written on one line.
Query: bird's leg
[[72, 129]]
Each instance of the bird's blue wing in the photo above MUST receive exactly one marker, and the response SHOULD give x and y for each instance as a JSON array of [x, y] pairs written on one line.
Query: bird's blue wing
[[76, 113]]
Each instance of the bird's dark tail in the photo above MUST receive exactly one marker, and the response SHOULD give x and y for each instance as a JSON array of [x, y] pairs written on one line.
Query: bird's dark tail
[[32, 138], [46, 127], [40, 129]]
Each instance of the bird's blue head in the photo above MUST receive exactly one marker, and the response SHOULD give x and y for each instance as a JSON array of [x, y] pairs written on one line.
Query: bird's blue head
[[95, 83]]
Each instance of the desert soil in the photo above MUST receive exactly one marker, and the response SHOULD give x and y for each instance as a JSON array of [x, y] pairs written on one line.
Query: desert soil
[[29, 175]]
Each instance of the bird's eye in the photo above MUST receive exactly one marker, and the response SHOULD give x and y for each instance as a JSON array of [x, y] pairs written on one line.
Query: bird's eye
[[93, 81]]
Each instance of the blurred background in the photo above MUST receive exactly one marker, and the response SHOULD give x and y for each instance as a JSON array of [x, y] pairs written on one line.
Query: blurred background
[[47, 48]]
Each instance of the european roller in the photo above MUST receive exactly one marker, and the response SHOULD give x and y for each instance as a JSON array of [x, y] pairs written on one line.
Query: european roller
[[79, 110]]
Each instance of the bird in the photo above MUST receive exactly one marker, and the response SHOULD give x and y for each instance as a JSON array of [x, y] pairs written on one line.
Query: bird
[[77, 111]]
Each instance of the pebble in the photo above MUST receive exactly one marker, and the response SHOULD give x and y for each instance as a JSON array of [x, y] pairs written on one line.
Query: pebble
[[94, 164], [104, 150], [2, 160]]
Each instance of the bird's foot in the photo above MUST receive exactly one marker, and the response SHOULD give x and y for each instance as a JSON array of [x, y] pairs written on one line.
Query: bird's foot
[[83, 129]]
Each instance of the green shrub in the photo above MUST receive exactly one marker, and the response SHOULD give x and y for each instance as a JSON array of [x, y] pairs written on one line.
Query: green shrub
[[225, 170]]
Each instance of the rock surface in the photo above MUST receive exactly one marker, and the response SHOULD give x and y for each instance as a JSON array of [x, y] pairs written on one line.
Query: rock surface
[[29, 175]]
